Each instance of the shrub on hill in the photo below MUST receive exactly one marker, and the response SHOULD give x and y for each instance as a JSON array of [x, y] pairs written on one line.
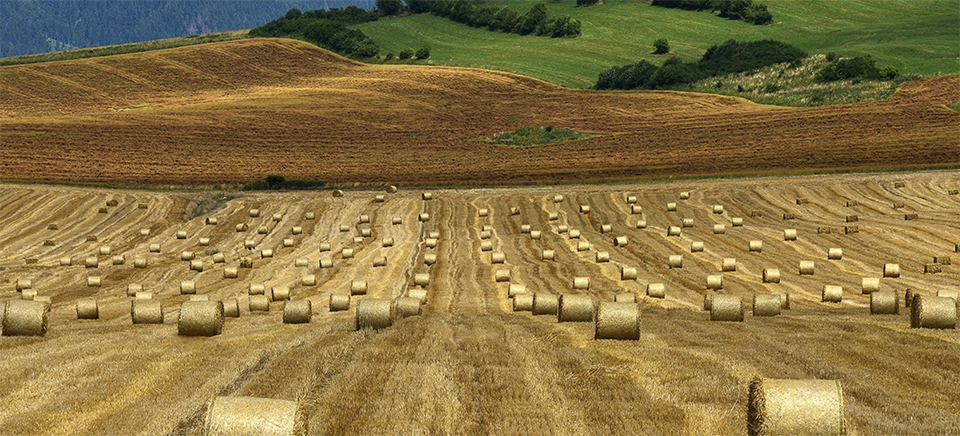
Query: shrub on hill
[[423, 53], [863, 67], [745, 10], [476, 13], [326, 29]]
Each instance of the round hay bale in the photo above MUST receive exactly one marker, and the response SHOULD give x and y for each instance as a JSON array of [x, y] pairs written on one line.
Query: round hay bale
[[346, 253], [715, 281], [832, 294], [525, 228], [486, 246], [927, 311], [28, 294], [573, 234], [296, 230], [548, 255], [242, 227], [628, 273], [200, 318], [196, 265], [379, 261], [66, 261], [419, 294], [181, 234], [211, 221], [105, 250], [726, 307], [91, 262], [584, 208], [486, 234], [771, 275], [807, 267], [606, 228], [686, 223], [545, 304], [884, 303], [344, 228], [288, 242], [326, 263], [374, 313], [671, 207], [656, 290], [675, 261], [696, 247], [154, 248], [358, 287], [339, 302], [263, 230], [625, 297], [719, 229], [280, 293], [789, 234], [674, 231], [24, 284], [852, 218], [516, 289], [236, 416], [309, 216], [25, 318], [133, 289], [631, 199], [869, 285], [406, 307], [324, 246], [558, 198], [379, 198], [88, 308], [728, 264], [426, 196], [388, 242], [756, 246], [572, 308], [91, 238], [391, 189], [685, 195], [421, 279], [553, 216], [259, 303], [337, 193], [583, 246], [718, 209], [535, 235], [396, 220], [140, 262], [423, 217], [231, 307], [266, 253], [620, 241], [795, 407], [188, 287], [257, 289], [230, 272], [563, 228], [429, 259], [301, 262], [358, 240], [277, 217], [617, 321], [708, 300], [603, 256], [498, 257], [364, 219], [187, 256], [523, 303], [582, 283], [254, 213], [482, 212], [308, 280], [94, 282], [835, 254], [146, 311], [297, 312], [641, 224], [932, 268], [891, 270], [636, 209], [502, 275], [767, 304], [219, 258], [249, 244]]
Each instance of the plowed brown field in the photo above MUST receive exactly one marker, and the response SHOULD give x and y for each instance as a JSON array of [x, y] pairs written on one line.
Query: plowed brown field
[[238, 111], [469, 364]]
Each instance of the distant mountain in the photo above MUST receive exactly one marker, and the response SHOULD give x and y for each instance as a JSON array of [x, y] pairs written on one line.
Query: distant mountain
[[40, 26]]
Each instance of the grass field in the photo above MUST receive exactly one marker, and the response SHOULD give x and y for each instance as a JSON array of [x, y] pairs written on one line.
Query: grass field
[[913, 36]]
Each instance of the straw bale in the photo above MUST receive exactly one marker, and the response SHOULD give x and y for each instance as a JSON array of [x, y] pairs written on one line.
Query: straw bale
[[25, 318], [553, 216], [545, 304], [188, 287], [146, 311], [203, 242], [625, 297], [374, 313], [832, 294], [181, 234], [53, 226], [696, 247], [241, 416], [379, 198], [628, 273], [573, 233], [728, 264], [571, 307], [548, 255], [187, 255], [429, 259], [718, 209], [102, 210], [671, 207], [91, 238], [263, 230], [656, 290], [230, 272], [279, 293], [254, 213], [406, 307], [558, 198], [497, 257], [884, 303], [88, 308], [719, 229], [391, 189], [928, 311], [942, 260], [789, 216], [358, 240], [807, 267], [617, 321], [673, 231], [288, 242], [346, 253], [603, 256], [523, 302], [388, 242], [104, 250], [133, 289], [899, 184], [358, 287], [154, 248], [631, 199], [606, 228], [771, 275], [737, 221], [514, 210], [297, 312], [308, 280], [433, 234], [715, 281], [641, 224], [219, 258], [869, 285], [337, 193], [266, 253], [231, 307], [28, 294], [756, 246], [767, 304], [200, 318], [196, 265], [486, 234], [911, 217], [891, 270], [789, 234], [685, 195], [259, 303], [379, 261], [687, 223], [835, 254], [515, 289], [423, 217], [421, 279], [257, 289], [426, 196], [726, 307], [636, 209], [94, 281], [675, 261], [277, 217], [91, 262], [563, 228], [582, 283], [344, 228], [66, 261], [24, 284], [795, 407], [482, 212], [339, 302], [535, 235], [525, 228], [502, 275], [486, 245]]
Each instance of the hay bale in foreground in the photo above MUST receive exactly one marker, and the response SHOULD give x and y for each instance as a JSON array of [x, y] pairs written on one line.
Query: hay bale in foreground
[[755, 246], [497, 257], [88, 308], [545, 304], [675, 261], [188, 287], [767, 304], [603, 256], [831, 294], [795, 407], [523, 303], [406, 307], [231, 307], [339, 302], [625, 297], [573, 308], [25, 318], [927, 311], [617, 321], [146, 311], [200, 318], [309, 280], [297, 312], [421, 279], [582, 283], [884, 303], [236, 416], [725, 307], [374, 313], [835, 254]]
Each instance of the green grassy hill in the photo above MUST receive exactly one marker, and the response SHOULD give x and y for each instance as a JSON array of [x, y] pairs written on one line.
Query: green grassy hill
[[915, 36]]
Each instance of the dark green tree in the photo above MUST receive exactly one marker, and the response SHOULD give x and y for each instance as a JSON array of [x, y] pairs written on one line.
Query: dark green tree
[[532, 21], [389, 7], [423, 53], [293, 14], [275, 182], [406, 53], [661, 46]]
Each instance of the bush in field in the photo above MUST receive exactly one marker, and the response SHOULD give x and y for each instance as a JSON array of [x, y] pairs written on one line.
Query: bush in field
[[661, 46], [406, 53], [423, 53]]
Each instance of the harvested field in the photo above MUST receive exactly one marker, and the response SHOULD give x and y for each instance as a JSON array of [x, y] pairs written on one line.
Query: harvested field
[[469, 364], [241, 110]]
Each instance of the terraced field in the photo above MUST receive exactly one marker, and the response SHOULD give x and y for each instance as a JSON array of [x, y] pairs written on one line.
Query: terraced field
[[469, 364]]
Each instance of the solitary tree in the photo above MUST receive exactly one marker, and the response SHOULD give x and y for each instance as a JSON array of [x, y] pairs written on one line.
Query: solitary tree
[[661, 46], [423, 52]]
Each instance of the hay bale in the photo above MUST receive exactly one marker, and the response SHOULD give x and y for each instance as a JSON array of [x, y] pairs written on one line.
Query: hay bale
[[852, 218], [686, 223], [636, 209], [339, 302], [235, 416], [767, 304], [498, 258], [374, 313], [603, 256], [715, 281], [23, 284], [572, 308], [625, 297], [187, 256], [642, 224], [105, 250], [563, 228], [388, 242], [696, 247], [789, 216], [631, 199], [259, 303], [379, 198], [850, 230], [737, 221], [257, 289], [708, 300], [254, 213], [869, 285], [88, 308], [203, 242], [133, 289], [219, 258], [94, 282], [391, 189], [719, 229], [502, 275], [337, 193], [297, 312], [102, 210], [771, 275], [28, 294], [429, 259], [728, 264], [486, 234], [628, 273], [196, 265], [263, 230], [553, 216], [188, 287], [211, 221], [545, 304], [617, 321], [288, 242], [308, 280], [573, 234], [140, 262], [535, 235], [523, 303], [231, 307], [66, 261], [326, 263], [200, 318], [25, 318], [146, 311], [358, 240], [181, 234], [718, 209], [755, 246], [685, 195], [406, 307], [91, 262], [606, 228], [280, 293], [899, 184], [514, 289], [482, 212], [795, 407], [426, 196], [296, 230], [524, 228], [324, 246], [344, 228], [675, 261], [423, 217], [673, 231], [266, 253], [807, 267], [277, 217], [421, 279], [671, 207], [911, 217], [358, 287], [942, 260], [582, 283], [789, 234], [514, 210], [396, 220], [379, 261], [346, 253], [891, 270], [558, 198], [154, 248], [548, 255], [884, 303], [230, 272], [486, 246], [927, 311], [803, 200], [53, 226], [91, 238], [835, 254], [726, 307], [656, 290]]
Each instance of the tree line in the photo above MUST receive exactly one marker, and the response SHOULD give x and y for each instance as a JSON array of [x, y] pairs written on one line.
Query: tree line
[[745, 10], [326, 28], [476, 13]]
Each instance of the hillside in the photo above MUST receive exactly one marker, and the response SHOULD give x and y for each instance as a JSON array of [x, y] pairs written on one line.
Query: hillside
[[238, 111]]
